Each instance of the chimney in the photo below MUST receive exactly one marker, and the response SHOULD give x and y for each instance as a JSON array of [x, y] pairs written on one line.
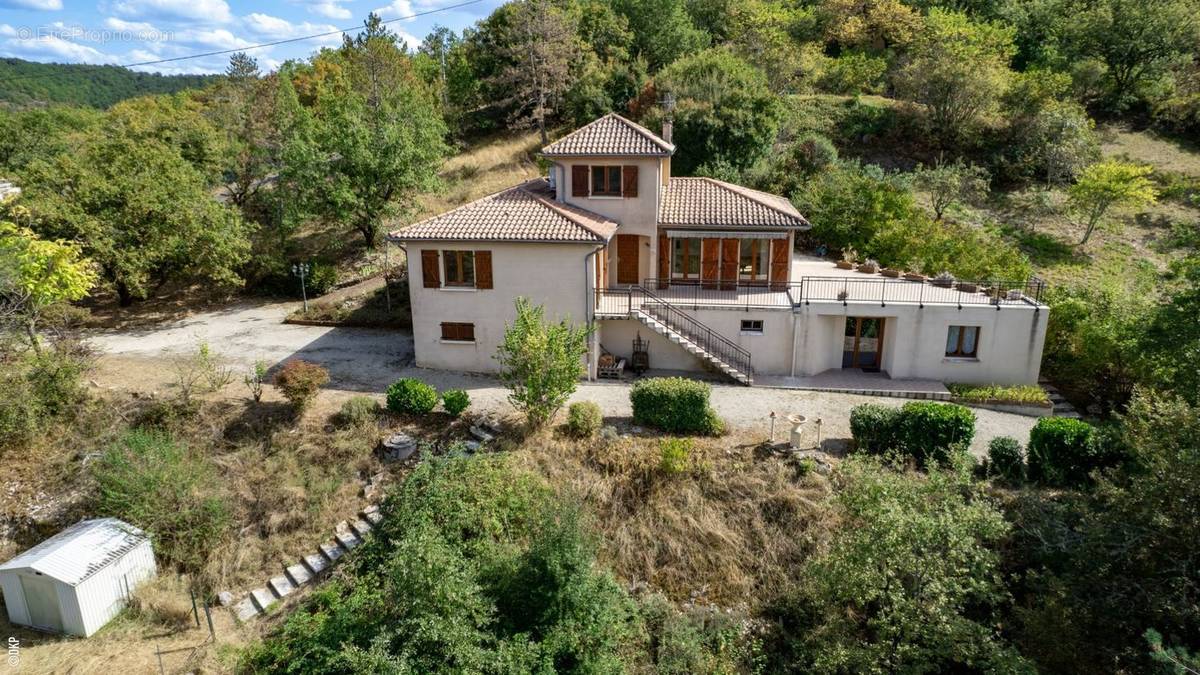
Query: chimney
[[668, 125]]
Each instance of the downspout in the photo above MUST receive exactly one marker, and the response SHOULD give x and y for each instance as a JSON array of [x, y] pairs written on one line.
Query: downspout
[[588, 309], [795, 326]]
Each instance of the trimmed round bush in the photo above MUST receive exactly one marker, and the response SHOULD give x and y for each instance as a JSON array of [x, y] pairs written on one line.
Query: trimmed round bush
[[584, 419], [1005, 459], [358, 410], [1063, 451], [411, 396], [455, 401], [931, 432], [676, 405], [873, 427]]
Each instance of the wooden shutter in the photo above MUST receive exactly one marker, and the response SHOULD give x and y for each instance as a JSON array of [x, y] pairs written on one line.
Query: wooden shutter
[[483, 269], [629, 181], [664, 260], [730, 256], [780, 261], [710, 261], [579, 180], [462, 332], [429, 269]]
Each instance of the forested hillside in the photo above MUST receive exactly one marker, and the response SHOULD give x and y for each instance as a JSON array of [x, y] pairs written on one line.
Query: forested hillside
[[26, 83], [990, 139]]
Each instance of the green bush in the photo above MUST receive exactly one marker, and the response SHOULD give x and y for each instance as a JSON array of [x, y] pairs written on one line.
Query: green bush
[[56, 378], [873, 428], [584, 419], [676, 405], [1005, 459], [411, 396], [674, 455], [455, 401], [19, 410], [320, 280], [299, 381], [358, 410], [156, 483], [1030, 394], [1063, 451], [930, 432]]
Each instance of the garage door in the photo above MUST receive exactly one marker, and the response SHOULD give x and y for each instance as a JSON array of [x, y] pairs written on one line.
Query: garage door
[[42, 601]]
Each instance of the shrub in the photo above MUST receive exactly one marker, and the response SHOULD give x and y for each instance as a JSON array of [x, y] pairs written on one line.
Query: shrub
[[19, 411], [455, 401], [542, 361], [674, 455], [255, 378], [1005, 459], [357, 411], [411, 396], [676, 405], [299, 381], [56, 379], [873, 428], [320, 280], [584, 419], [1030, 394], [151, 481], [1063, 451], [929, 431]]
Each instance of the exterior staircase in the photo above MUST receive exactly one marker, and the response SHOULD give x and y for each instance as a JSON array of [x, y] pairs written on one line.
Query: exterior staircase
[[664, 329]]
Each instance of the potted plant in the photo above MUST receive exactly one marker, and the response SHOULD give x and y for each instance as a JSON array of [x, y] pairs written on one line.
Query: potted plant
[[1014, 294], [914, 276], [842, 295], [868, 266], [968, 286], [848, 257], [943, 279], [889, 272]]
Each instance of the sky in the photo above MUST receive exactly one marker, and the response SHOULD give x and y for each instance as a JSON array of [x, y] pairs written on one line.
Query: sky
[[131, 31]]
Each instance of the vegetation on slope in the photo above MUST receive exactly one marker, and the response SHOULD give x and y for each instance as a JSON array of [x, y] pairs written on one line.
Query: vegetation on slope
[[26, 83]]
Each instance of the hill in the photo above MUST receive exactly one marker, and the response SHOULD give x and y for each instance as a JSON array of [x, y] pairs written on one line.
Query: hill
[[24, 83]]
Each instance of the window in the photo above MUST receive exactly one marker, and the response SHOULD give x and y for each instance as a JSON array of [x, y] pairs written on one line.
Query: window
[[458, 332], [460, 268], [752, 326], [685, 263], [962, 341], [606, 181], [752, 265]]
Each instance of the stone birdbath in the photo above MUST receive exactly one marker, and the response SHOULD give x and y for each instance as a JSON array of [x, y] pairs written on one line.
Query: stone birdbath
[[797, 422]]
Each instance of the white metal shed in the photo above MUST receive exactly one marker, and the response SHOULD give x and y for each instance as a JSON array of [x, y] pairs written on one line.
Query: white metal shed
[[79, 579]]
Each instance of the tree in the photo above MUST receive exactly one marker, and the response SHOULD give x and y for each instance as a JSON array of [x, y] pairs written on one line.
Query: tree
[[950, 183], [36, 273], [724, 112], [538, 46], [1107, 184], [877, 25], [1172, 342], [542, 361], [242, 67], [140, 211], [909, 583], [958, 68], [662, 29]]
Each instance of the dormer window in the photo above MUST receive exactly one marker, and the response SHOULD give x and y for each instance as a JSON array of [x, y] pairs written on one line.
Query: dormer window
[[606, 181]]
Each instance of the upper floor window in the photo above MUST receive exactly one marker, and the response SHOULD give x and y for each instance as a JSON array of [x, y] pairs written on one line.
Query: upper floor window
[[606, 181], [460, 267], [962, 341]]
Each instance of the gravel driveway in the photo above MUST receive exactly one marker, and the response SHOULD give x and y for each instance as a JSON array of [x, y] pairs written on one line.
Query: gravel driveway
[[364, 360]]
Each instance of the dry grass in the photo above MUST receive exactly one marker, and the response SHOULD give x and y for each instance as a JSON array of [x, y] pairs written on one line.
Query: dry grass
[[727, 531], [1140, 146], [163, 601], [487, 166]]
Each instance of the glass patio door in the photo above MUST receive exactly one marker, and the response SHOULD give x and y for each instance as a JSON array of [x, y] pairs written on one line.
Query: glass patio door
[[862, 345]]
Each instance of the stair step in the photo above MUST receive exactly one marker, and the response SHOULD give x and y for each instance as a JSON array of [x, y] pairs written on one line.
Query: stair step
[[280, 586], [372, 517], [331, 551], [316, 563], [246, 609], [361, 528], [298, 574], [262, 598], [347, 540]]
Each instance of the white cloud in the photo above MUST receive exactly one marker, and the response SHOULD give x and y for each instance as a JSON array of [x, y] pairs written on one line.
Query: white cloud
[[396, 9], [7, 30], [330, 9], [216, 38], [132, 26], [207, 10], [32, 4], [50, 48], [274, 28]]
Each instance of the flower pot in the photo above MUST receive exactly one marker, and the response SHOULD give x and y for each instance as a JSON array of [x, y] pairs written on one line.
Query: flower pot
[[867, 269], [967, 288], [893, 274], [913, 276], [845, 265]]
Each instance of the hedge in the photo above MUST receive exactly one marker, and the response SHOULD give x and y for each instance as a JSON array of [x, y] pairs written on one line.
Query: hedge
[[676, 405], [923, 430], [873, 427], [1064, 451], [411, 396]]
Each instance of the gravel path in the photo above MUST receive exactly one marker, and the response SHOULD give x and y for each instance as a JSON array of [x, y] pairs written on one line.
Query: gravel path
[[367, 360]]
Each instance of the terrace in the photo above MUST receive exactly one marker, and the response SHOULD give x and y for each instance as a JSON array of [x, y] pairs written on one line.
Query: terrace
[[818, 281]]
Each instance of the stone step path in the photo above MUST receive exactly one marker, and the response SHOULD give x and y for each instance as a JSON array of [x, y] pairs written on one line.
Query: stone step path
[[1062, 407], [348, 536]]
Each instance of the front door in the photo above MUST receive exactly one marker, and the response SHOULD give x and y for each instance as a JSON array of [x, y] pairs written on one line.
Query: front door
[[627, 259], [42, 601], [862, 346]]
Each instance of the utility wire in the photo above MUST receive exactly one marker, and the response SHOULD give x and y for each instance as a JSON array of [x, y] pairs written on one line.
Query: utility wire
[[260, 45]]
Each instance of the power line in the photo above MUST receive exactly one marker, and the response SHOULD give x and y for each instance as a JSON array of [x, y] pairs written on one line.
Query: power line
[[264, 44]]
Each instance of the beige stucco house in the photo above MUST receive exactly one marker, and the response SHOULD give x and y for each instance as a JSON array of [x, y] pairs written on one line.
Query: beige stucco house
[[703, 272]]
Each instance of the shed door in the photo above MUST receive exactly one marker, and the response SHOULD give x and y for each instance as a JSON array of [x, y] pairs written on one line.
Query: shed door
[[42, 601]]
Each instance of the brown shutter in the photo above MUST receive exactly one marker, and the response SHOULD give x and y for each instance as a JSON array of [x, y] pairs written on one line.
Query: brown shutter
[[429, 269], [629, 180], [483, 269], [710, 260], [579, 180], [780, 261], [730, 256], [664, 260]]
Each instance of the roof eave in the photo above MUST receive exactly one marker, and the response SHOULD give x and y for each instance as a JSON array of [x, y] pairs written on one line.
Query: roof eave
[[406, 240]]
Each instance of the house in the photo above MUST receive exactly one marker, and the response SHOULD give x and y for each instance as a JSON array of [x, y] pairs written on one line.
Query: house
[[704, 271], [79, 579]]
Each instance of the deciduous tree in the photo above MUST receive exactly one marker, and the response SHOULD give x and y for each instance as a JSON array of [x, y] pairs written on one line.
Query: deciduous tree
[[36, 273], [951, 183], [542, 361], [1107, 184]]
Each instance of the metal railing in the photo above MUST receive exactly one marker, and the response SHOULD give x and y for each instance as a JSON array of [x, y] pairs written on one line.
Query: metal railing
[[749, 295], [847, 289], [625, 300]]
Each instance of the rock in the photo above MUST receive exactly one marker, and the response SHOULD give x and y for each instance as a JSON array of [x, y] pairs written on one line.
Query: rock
[[482, 434], [225, 598], [473, 446], [398, 447]]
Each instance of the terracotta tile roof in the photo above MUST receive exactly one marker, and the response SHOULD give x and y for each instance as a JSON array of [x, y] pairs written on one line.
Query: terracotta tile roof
[[706, 202], [611, 135], [526, 212]]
